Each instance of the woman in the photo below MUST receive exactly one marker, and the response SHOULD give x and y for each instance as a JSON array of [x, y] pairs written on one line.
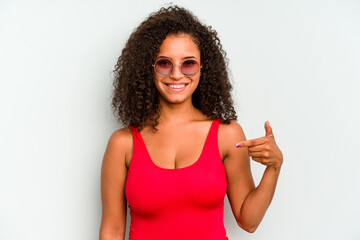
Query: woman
[[181, 151]]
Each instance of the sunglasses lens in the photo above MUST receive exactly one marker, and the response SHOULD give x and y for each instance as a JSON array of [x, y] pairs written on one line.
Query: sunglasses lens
[[190, 67], [163, 67]]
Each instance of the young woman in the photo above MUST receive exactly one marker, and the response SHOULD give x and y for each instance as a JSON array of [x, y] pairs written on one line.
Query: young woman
[[181, 150]]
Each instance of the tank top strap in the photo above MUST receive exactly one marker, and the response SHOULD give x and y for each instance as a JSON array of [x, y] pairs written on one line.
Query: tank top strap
[[211, 145], [217, 123], [213, 133], [135, 133], [138, 150]]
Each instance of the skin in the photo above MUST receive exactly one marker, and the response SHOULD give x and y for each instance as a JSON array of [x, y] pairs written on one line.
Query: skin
[[182, 126]]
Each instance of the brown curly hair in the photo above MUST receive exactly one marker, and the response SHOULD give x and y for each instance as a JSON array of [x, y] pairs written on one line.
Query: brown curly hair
[[135, 97]]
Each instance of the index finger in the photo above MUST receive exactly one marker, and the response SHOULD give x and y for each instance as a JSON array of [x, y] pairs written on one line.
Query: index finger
[[252, 142]]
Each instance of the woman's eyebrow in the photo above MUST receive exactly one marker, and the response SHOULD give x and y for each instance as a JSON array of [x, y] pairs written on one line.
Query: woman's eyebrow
[[163, 57], [189, 57], [182, 58]]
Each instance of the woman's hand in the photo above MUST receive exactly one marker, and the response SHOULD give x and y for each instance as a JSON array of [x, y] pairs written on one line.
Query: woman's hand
[[264, 150]]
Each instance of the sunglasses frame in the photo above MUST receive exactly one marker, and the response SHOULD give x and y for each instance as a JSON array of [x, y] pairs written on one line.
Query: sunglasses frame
[[179, 66]]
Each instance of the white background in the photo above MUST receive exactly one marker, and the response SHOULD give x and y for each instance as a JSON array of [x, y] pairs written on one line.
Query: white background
[[294, 63]]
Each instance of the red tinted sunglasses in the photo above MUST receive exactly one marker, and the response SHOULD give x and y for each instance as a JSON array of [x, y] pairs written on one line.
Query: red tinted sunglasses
[[188, 67]]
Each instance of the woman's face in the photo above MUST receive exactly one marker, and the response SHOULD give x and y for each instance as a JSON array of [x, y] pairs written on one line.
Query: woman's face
[[177, 88]]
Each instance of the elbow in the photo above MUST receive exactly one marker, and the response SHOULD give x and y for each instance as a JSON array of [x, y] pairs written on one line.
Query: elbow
[[247, 227], [250, 230]]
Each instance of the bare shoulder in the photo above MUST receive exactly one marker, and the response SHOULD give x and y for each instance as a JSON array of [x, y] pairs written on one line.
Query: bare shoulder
[[233, 128], [120, 146], [229, 135], [121, 136], [231, 132]]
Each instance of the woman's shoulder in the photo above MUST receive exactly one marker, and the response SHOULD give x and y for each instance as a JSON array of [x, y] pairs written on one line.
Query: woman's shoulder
[[232, 128], [121, 136], [230, 134], [121, 143]]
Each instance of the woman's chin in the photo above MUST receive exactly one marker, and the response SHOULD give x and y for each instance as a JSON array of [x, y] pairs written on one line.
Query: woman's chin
[[175, 100]]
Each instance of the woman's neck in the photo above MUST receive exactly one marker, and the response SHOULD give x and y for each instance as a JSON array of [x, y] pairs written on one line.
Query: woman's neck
[[178, 113]]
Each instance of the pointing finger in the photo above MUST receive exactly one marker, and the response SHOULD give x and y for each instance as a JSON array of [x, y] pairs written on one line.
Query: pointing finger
[[252, 142]]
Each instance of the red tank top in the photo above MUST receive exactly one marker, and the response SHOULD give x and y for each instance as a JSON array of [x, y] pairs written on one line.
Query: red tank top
[[177, 204]]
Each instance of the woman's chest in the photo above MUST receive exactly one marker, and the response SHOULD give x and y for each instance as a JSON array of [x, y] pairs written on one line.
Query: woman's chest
[[199, 186], [176, 148]]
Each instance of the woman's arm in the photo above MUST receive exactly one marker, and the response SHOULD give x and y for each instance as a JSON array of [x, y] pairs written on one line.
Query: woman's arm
[[113, 177], [248, 203]]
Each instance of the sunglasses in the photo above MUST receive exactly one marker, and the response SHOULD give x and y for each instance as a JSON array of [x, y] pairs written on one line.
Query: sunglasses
[[165, 67]]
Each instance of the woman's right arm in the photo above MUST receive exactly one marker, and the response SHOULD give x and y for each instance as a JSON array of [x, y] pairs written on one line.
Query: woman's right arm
[[113, 177]]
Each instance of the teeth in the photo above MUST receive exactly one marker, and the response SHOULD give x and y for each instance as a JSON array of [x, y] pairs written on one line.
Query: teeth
[[177, 86]]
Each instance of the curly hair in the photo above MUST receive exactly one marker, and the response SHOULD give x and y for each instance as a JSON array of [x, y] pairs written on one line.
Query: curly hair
[[135, 97]]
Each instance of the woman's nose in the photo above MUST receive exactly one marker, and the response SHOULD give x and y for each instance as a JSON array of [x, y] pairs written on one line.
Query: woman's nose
[[176, 73]]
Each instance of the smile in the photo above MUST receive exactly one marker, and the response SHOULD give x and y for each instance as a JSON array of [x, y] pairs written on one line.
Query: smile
[[176, 87]]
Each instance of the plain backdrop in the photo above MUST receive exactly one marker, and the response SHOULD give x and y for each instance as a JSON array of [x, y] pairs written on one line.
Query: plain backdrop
[[294, 63]]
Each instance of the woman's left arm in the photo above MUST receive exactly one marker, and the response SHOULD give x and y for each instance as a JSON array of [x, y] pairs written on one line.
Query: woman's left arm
[[249, 203]]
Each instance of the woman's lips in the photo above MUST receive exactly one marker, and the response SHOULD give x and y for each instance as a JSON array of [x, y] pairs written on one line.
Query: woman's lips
[[178, 87]]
